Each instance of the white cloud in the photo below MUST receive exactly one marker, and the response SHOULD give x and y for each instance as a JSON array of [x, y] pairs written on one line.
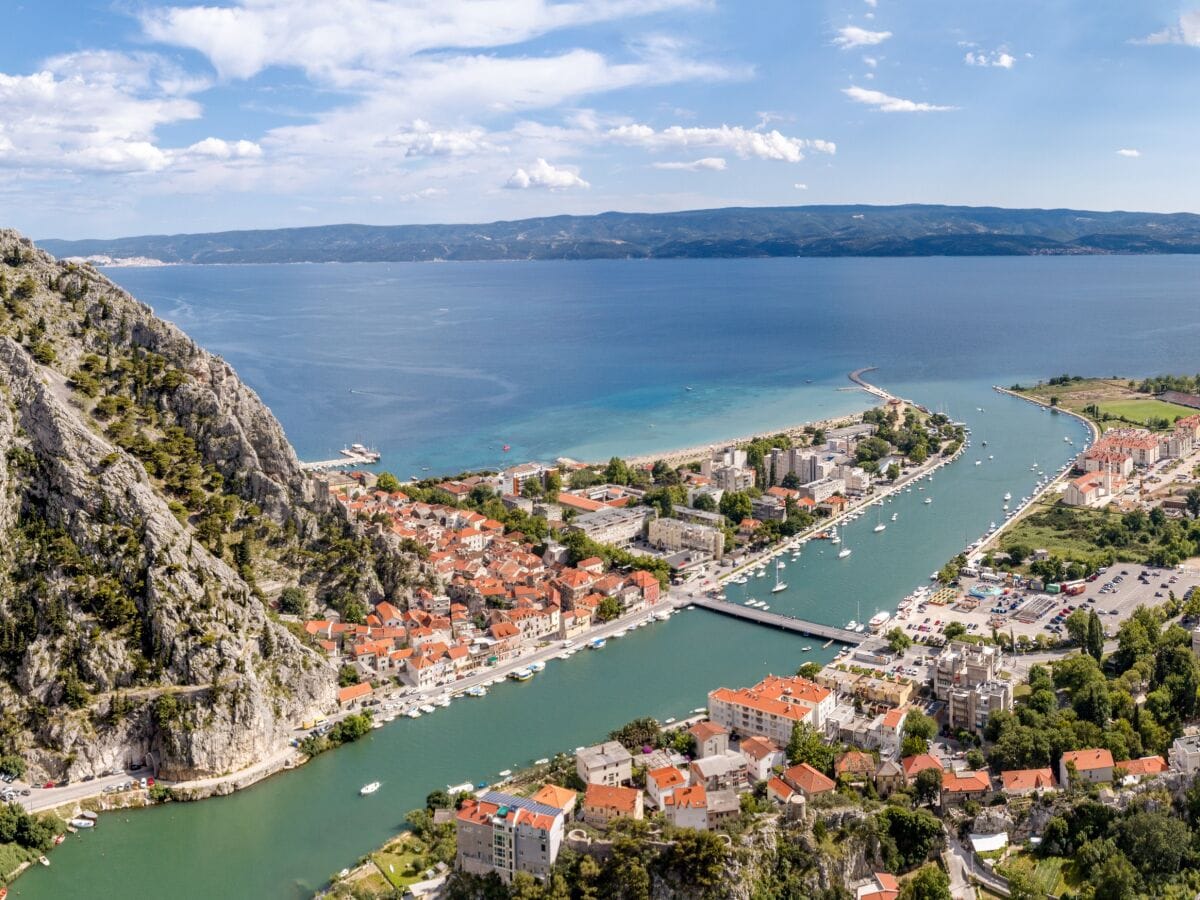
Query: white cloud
[[852, 36], [1186, 31], [1000, 59], [1129, 152], [708, 164], [872, 3], [871, 61], [800, 187], [543, 175], [76, 123], [337, 39], [423, 140], [215, 148], [744, 142], [887, 103]]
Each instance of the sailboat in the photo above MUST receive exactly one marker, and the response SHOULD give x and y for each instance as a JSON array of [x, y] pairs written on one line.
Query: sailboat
[[779, 585], [843, 553], [879, 526]]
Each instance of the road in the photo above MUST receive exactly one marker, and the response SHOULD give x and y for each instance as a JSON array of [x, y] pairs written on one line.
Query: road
[[964, 859]]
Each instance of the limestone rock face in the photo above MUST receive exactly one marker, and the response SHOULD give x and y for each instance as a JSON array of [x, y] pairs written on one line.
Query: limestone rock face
[[125, 634]]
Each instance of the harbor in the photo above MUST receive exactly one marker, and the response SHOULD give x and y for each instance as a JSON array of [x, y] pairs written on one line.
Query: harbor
[[352, 456]]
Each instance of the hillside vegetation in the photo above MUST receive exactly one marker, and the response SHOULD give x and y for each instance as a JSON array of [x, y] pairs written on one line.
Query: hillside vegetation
[[910, 230]]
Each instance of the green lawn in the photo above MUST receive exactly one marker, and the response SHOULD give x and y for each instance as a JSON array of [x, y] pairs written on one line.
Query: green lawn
[[1050, 874], [1143, 411], [11, 856], [401, 864]]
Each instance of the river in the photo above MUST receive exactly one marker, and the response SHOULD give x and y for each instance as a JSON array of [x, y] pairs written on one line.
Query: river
[[809, 320]]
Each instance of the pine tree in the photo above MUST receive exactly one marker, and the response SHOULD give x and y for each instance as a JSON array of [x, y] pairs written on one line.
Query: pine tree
[[1095, 636]]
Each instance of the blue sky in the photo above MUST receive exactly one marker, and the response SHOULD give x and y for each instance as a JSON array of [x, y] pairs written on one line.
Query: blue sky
[[126, 117]]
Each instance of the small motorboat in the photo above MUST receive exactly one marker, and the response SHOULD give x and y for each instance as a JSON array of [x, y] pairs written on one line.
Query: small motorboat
[[367, 789], [81, 823], [843, 553]]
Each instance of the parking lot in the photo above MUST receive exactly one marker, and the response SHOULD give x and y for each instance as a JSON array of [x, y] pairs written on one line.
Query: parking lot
[[1113, 594]]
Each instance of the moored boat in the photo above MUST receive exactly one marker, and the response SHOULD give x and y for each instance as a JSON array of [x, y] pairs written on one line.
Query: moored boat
[[367, 789]]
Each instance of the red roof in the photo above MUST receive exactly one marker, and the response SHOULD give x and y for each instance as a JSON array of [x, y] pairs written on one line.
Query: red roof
[[666, 777], [1020, 780], [1087, 760], [694, 797], [966, 782], [611, 797], [914, 765], [1147, 765], [362, 689], [808, 780]]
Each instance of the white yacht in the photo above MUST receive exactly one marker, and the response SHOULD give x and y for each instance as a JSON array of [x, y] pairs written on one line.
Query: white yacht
[[779, 585], [928, 499], [843, 553], [368, 789]]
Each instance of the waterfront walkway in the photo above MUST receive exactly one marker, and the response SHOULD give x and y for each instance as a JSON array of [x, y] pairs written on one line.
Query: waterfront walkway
[[784, 623], [341, 462]]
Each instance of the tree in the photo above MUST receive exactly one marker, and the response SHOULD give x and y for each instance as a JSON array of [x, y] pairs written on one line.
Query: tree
[[293, 601], [348, 675], [954, 630], [931, 883], [975, 759], [1115, 879], [13, 765], [1095, 636], [635, 735], [617, 471], [609, 609], [928, 785], [387, 482], [438, 799], [808, 746], [735, 506], [704, 503], [917, 724], [809, 670], [915, 833], [791, 481], [893, 472], [1021, 886], [1077, 627], [898, 641]]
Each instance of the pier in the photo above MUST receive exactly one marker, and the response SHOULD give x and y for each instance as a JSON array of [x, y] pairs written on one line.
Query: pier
[[784, 623], [340, 462]]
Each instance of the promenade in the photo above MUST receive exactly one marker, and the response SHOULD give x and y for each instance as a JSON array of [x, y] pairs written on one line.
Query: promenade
[[782, 622]]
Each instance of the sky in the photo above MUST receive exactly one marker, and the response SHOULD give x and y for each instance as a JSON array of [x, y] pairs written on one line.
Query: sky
[[122, 117]]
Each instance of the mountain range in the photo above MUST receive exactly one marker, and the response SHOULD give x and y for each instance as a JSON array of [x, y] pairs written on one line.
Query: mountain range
[[909, 230]]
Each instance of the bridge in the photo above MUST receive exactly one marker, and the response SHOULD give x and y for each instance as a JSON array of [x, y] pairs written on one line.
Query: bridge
[[775, 620]]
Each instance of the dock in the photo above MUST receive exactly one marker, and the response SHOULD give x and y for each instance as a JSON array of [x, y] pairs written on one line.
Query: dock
[[340, 462], [781, 622]]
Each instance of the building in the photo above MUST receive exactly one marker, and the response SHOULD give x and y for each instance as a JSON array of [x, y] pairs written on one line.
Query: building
[[889, 777], [969, 707], [808, 781], [687, 807], [613, 524], [1022, 782], [711, 739], [721, 806], [603, 802], [762, 757], [505, 834], [959, 787], [728, 469], [661, 783], [607, 763], [1144, 767], [891, 732], [1092, 489], [721, 772], [675, 534], [1185, 752], [881, 886], [1093, 766], [823, 489], [771, 708], [855, 766], [558, 797], [915, 765], [964, 665]]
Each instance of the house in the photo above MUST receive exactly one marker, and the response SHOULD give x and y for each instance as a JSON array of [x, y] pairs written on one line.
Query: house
[[959, 787], [808, 781], [603, 802], [881, 886], [1185, 751], [855, 766], [1092, 488], [607, 763], [915, 765], [1022, 782], [558, 797], [711, 739], [506, 834], [726, 770], [1145, 767], [762, 756], [687, 807], [1093, 766], [661, 783], [889, 777], [780, 791], [721, 806], [772, 707], [890, 732], [349, 697]]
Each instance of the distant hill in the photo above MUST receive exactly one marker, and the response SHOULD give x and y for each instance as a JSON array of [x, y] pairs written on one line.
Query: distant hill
[[912, 230]]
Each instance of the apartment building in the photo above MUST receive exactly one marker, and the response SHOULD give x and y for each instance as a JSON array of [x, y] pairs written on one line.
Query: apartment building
[[505, 834]]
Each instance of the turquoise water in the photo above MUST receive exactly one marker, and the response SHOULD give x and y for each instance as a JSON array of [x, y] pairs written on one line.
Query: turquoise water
[[580, 358]]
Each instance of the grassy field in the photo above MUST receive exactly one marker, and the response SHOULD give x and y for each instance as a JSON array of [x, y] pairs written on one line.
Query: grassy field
[[1145, 410], [1049, 874], [11, 856], [1067, 532]]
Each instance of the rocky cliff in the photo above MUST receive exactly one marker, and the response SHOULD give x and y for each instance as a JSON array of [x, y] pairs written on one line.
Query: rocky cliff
[[143, 491]]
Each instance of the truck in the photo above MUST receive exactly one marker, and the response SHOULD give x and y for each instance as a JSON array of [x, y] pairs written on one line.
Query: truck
[[1074, 590], [1052, 589]]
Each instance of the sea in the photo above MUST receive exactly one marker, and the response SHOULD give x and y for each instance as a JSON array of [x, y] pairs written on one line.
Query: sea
[[441, 365]]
